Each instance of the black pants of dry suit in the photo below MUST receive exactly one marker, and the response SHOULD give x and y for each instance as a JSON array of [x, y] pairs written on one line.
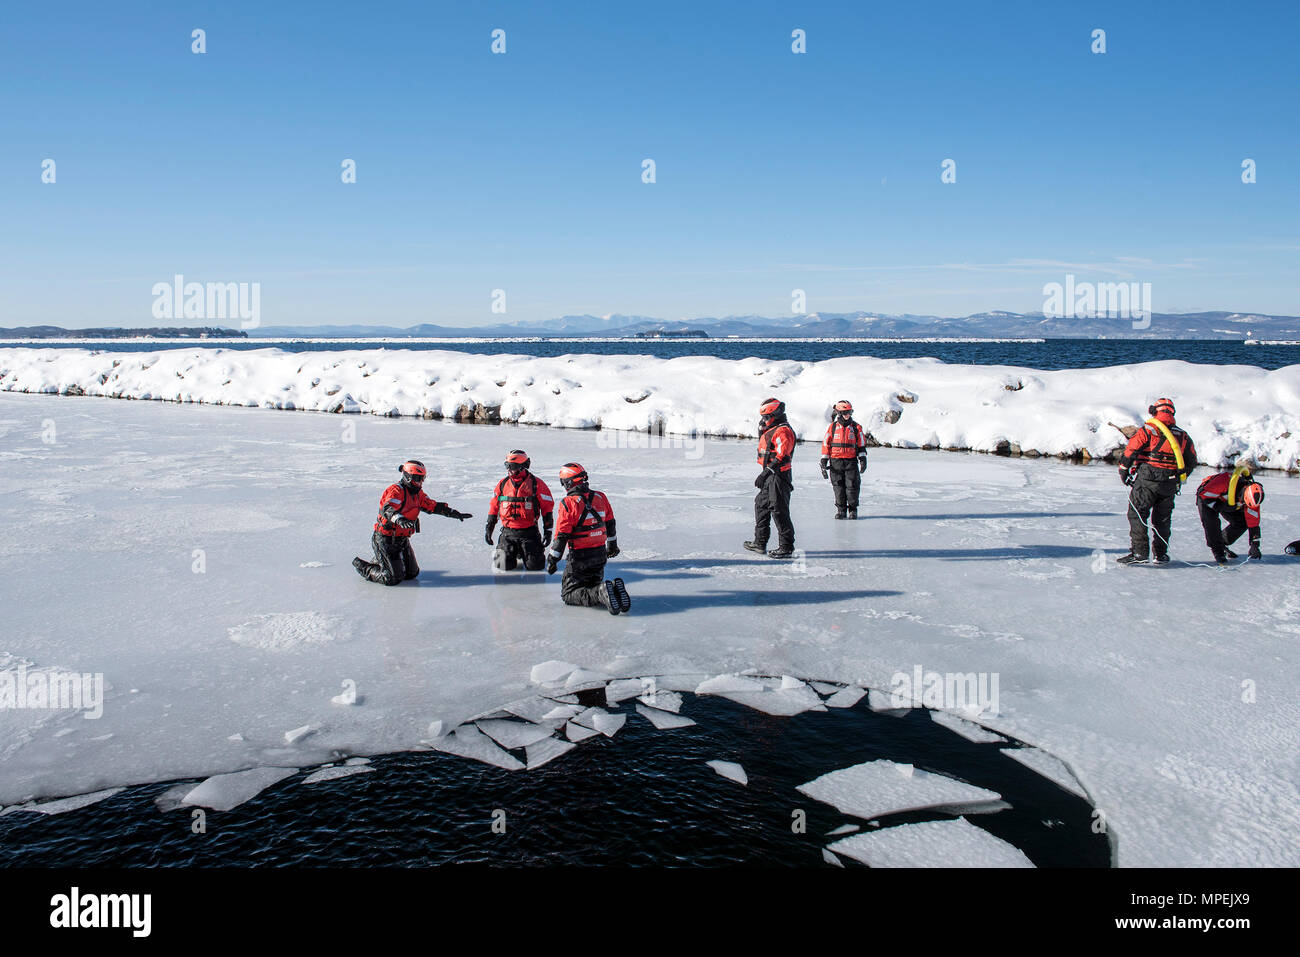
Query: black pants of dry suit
[[394, 559], [516, 543], [1218, 536], [846, 481], [772, 503], [1151, 501], [584, 577]]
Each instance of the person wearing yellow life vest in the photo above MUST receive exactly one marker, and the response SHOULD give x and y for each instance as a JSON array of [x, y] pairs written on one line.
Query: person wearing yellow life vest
[[1235, 497], [776, 441], [1154, 464], [844, 459]]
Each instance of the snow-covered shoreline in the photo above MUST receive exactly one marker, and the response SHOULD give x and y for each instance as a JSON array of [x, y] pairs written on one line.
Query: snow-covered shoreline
[[1230, 411]]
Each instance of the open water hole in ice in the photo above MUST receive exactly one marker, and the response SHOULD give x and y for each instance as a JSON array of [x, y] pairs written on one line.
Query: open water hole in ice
[[641, 797]]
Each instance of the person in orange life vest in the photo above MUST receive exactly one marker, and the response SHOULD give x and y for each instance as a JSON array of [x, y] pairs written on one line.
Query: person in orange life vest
[[1150, 466], [776, 441], [844, 459], [1236, 497], [399, 518], [521, 501], [586, 526]]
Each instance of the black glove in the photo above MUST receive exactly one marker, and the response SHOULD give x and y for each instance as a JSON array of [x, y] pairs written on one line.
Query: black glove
[[611, 548], [458, 516], [762, 478], [1128, 475], [825, 464], [552, 560], [862, 464], [546, 536], [488, 536], [1255, 553], [403, 522], [491, 527]]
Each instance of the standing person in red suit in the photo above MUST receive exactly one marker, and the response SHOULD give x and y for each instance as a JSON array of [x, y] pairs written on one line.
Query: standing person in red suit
[[844, 459], [776, 442], [586, 526], [399, 518], [1154, 464]]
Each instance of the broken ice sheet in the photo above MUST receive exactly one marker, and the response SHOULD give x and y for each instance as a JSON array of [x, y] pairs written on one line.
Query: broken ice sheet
[[967, 729], [622, 689], [845, 697], [221, 792], [955, 843], [662, 700], [882, 787], [729, 770], [63, 805], [1049, 766], [468, 741], [513, 734], [663, 719], [548, 749], [549, 672], [334, 773], [576, 732], [786, 697]]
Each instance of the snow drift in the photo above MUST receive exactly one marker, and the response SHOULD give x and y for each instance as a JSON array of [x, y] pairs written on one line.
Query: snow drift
[[1230, 411]]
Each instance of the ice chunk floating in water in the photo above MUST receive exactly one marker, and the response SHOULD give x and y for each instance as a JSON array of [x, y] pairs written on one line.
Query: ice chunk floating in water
[[956, 843], [884, 787]]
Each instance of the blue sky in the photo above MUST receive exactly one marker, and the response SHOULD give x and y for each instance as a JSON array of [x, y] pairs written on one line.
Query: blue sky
[[522, 171]]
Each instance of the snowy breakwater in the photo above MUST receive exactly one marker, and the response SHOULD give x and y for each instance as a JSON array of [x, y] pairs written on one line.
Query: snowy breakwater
[[1231, 411]]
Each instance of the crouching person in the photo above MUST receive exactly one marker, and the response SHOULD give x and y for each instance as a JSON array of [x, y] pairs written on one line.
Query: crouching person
[[1229, 505], [399, 518], [586, 527]]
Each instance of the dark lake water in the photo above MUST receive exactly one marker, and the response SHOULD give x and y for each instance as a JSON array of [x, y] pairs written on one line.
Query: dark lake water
[[643, 798], [1051, 354]]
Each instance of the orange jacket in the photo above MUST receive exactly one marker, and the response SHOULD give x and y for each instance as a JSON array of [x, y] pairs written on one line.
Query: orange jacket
[[1214, 492], [404, 504], [520, 504], [844, 441], [1150, 447], [776, 447], [585, 521]]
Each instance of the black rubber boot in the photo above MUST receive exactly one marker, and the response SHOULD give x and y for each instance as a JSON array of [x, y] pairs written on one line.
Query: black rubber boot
[[624, 599], [756, 546], [610, 598], [839, 513], [783, 551], [1162, 559], [853, 515], [1221, 557], [1230, 553], [362, 566]]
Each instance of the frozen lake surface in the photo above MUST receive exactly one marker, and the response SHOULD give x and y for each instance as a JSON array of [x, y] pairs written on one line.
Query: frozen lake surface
[[199, 558]]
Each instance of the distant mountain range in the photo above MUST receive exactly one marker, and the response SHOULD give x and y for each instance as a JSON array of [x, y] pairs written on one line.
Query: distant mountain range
[[983, 325], [986, 325]]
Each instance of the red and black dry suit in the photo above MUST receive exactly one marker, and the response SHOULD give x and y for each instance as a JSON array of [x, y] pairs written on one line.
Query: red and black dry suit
[[1212, 502], [520, 501], [843, 447], [776, 443], [1148, 463], [394, 557], [585, 524]]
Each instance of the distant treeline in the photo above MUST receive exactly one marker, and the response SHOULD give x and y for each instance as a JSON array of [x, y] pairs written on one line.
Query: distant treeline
[[56, 332]]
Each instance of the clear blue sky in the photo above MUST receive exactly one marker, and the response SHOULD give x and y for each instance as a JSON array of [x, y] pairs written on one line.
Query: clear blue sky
[[523, 171]]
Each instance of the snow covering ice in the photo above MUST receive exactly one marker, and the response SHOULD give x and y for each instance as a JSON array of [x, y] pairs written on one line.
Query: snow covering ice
[[876, 788], [956, 843], [140, 538], [1230, 411]]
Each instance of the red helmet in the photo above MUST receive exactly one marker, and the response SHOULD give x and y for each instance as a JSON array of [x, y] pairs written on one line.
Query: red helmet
[[518, 459], [413, 472], [844, 405], [1161, 405], [1254, 495], [771, 407], [572, 475]]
